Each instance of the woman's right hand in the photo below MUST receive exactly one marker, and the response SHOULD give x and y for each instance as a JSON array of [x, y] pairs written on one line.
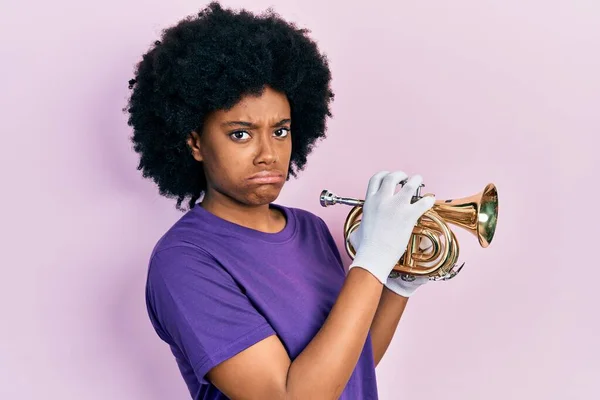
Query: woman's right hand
[[387, 222]]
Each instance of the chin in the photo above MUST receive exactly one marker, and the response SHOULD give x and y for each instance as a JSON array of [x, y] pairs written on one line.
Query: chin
[[264, 195]]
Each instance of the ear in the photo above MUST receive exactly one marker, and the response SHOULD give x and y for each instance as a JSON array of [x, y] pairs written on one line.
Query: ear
[[193, 142]]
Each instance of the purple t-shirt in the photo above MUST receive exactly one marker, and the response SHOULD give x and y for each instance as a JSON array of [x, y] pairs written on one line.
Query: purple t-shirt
[[216, 288]]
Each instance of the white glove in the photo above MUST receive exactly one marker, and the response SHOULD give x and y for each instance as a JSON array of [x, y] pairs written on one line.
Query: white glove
[[397, 285], [387, 222]]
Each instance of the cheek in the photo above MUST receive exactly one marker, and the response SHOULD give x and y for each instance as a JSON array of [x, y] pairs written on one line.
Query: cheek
[[287, 153], [213, 167], [226, 169]]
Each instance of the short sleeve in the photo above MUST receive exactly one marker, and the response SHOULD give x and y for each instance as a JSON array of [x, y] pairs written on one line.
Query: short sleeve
[[200, 308]]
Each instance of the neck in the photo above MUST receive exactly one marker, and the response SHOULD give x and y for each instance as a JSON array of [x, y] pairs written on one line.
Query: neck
[[258, 217]]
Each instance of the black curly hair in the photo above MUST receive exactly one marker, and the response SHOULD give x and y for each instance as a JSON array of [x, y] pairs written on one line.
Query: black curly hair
[[208, 62]]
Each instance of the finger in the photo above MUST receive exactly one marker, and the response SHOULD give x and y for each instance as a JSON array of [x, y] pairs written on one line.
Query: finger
[[375, 182], [424, 204], [409, 189], [388, 186]]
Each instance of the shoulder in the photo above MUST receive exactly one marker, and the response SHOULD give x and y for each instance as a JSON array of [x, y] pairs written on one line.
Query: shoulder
[[181, 252], [189, 236]]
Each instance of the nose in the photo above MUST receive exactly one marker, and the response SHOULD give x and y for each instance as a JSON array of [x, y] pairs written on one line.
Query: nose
[[266, 151]]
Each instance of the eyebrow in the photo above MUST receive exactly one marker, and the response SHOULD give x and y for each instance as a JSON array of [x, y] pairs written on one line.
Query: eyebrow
[[251, 125]]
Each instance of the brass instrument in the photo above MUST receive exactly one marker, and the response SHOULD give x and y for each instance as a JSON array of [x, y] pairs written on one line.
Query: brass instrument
[[477, 214]]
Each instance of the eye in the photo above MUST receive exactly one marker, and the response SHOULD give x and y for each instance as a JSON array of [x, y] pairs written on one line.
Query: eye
[[238, 135], [282, 132]]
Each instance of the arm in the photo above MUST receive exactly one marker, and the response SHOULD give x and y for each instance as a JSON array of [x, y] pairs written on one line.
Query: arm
[[391, 306], [389, 311], [323, 368]]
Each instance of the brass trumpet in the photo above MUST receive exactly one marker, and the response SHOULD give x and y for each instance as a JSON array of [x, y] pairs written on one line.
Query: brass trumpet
[[477, 214]]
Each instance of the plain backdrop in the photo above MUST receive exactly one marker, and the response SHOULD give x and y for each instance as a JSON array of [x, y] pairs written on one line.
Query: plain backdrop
[[463, 92]]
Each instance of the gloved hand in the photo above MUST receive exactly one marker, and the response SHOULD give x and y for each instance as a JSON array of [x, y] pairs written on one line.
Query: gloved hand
[[397, 285], [387, 222]]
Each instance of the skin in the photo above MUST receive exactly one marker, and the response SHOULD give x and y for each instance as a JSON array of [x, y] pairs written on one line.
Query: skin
[[232, 152]]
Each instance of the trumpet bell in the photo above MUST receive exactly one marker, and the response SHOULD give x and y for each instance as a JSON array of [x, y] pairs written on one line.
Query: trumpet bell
[[477, 214]]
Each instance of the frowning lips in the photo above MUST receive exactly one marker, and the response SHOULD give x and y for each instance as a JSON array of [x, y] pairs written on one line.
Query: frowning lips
[[267, 176]]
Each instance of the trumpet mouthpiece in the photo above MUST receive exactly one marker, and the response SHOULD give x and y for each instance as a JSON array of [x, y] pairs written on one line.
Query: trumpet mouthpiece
[[327, 198]]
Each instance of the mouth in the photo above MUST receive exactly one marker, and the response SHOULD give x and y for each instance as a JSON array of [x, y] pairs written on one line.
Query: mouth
[[267, 177]]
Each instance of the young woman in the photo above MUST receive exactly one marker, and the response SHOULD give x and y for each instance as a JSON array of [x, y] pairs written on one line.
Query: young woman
[[251, 296]]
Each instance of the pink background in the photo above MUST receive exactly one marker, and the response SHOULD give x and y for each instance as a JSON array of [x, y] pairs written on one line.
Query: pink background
[[463, 92]]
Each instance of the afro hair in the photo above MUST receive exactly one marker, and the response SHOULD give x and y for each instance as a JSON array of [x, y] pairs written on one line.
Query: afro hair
[[209, 62]]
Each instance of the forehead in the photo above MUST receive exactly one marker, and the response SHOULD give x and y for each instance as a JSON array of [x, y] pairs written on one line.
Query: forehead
[[269, 105]]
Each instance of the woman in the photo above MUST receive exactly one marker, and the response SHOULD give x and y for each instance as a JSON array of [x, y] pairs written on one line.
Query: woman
[[252, 296]]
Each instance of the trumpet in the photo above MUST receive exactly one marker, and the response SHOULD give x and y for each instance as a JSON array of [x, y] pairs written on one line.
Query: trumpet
[[477, 214]]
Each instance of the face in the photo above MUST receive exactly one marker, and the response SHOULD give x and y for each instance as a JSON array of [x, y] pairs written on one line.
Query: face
[[246, 150]]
